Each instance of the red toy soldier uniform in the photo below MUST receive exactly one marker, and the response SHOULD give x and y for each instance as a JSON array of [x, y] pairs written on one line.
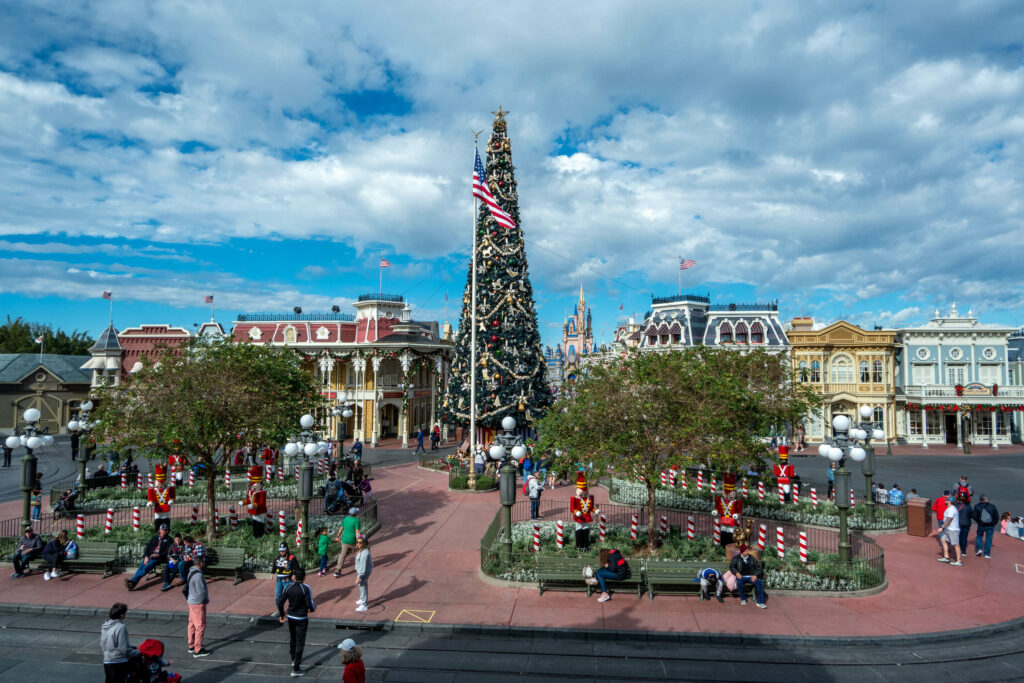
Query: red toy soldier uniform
[[270, 460], [178, 462], [582, 508], [160, 496], [784, 472], [728, 508], [256, 501]]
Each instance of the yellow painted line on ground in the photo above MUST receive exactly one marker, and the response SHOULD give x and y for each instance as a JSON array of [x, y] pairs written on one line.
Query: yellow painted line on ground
[[412, 483], [418, 616]]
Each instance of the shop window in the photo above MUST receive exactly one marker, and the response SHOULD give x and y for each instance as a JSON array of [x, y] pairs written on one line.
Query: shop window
[[876, 372], [915, 423], [983, 424], [815, 372], [879, 417], [1001, 421], [955, 374], [934, 423], [865, 373], [802, 373]]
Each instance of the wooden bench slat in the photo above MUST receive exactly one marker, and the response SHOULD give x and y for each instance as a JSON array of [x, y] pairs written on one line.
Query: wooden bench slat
[[680, 573], [226, 559], [570, 569]]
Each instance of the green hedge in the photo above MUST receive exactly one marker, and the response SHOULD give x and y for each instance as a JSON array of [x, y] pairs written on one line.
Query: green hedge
[[483, 483]]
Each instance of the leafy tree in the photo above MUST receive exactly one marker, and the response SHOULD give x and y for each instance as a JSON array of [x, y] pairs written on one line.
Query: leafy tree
[[212, 397], [18, 336], [691, 407]]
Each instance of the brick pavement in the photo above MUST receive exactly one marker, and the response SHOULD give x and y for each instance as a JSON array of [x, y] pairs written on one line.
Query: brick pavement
[[426, 558]]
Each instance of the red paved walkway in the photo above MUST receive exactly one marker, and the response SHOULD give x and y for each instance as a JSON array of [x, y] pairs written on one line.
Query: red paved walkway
[[427, 553]]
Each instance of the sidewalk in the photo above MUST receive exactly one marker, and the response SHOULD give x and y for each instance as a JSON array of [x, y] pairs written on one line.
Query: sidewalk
[[426, 559]]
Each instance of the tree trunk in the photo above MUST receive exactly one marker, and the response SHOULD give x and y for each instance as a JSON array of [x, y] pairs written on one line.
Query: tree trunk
[[211, 496], [652, 530]]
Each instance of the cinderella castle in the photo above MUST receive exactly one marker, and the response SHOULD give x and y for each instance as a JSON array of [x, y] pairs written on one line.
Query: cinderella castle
[[577, 340]]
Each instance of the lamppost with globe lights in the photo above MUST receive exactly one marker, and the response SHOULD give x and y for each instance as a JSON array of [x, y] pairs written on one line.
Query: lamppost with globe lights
[[308, 444], [507, 444], [344, 411], [81, 426], [32, 440], [843, 444]]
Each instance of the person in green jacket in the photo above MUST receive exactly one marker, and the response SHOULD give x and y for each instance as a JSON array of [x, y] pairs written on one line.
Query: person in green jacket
[[323, 547], [347, 537]]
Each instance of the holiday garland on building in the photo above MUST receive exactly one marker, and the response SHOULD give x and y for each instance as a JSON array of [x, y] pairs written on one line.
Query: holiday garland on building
[[510, 371]]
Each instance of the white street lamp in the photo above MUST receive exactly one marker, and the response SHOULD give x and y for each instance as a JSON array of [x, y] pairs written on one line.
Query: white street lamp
[[841, 423], [306, 421], [31, 416]]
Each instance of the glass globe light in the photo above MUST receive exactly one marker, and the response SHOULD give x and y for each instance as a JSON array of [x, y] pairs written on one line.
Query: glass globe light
[[309, 449], [497, 452], [835, 454], [823, 450], [321, 447], [73, 426], [13, 441], [346, 413], [47, 440], [865, 412], [877, 434], [508, 423], [291, 448], [518, 452], [857, 454], [31, 416], [34, 442], [87, 406], [857, 433], [306, 421], [841, 423]]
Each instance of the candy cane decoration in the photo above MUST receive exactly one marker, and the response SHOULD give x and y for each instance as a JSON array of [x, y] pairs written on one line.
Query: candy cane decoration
[[138, 481], [782, 496], [664, 527], [536, 537], [280, 474], [664, 478], [280, 523], [191, 478], [682, 475], [762, 535], [268, 473], [691, 528], [803, 547], [80, 525], [717, 530], [298, 534], [672, 478], [227, 479], [714, 486], [602, 525], [780, 544], [195, 514], [700, 480], [852, 501], [814, 497], [760, 490], [232, 517], [633, 528], [216, 519], [558, 535], [124, 480], [319, 466], [744, 483], [136, 523], [110, 521], [149, 479], [796, 494], [296, 473]]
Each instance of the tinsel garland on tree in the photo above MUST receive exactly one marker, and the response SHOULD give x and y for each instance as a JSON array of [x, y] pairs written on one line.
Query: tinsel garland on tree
[[510, 362]]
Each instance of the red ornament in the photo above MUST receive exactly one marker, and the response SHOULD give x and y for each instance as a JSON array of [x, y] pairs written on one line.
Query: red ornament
[[494, 323], [494, 337]]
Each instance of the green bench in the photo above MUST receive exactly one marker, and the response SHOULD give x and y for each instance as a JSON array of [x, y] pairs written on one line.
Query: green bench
[[679, 574], [225, 560], [93, 556], [569, 570]]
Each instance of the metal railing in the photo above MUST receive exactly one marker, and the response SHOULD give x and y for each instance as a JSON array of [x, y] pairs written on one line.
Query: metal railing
[[373, 296], [297, 317]]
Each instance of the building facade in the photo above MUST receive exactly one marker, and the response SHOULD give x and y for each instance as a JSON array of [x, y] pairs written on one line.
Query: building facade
[[848, 367], [953, 381], [692, 320], [53, 384], [1016, 368]]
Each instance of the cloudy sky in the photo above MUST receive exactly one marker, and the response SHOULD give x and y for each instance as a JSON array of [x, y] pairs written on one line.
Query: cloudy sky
[[851, 160]]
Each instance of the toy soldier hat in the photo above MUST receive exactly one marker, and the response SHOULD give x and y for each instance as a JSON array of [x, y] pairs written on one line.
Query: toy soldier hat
[[783, 452], [255, 474], [729, 481], [581, 481], [160, 472]]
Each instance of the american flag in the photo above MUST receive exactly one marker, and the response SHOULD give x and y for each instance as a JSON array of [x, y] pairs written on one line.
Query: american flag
[[384, 263], [108, 295], [209, 299], [686, 263], [39, 339], [483, 192]]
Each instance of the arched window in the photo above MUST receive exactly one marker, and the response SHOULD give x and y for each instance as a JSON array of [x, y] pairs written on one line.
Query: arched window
[[842, 370], [756, 333], [879, 416], [802, 372], [725, 333], [865, 376], [876, 372], [815, 371], [741, 333]]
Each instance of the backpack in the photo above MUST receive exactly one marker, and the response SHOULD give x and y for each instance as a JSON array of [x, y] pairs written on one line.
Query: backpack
[[71, 550], [965, 492], [526, 489], [985, 516]]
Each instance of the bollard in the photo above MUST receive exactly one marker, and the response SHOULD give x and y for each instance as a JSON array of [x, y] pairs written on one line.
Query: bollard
[[138, 481], [700, 480], [782, 496], [232, 517], [216, 519], [559, 540], [124, 480], [603, 527], [191, 478], [664, 478], [280, 473], [796, 494], [814, 497], [268, 473], [762, 535], [136, 523], [110, 521], [780, 544], [803, 547], [760, 490], [691, 528], [744, 487], [682, 474], [80, 525], [298, 534], [633, 528], [195, 514], [227, 479], [536, 537], [714, 486], [280, 523], [717, 533], [852, 501], [663, 531], [672, 478], [149, 479]]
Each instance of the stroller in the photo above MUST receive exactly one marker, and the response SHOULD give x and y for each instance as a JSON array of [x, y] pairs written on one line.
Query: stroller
[[65, 505], [151, 652]]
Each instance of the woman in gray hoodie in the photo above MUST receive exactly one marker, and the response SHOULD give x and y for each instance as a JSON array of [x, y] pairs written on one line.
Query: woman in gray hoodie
[[119, 657], [364, 567]]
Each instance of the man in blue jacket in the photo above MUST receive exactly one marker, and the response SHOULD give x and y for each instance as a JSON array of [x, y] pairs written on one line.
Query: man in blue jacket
[[987, 516]]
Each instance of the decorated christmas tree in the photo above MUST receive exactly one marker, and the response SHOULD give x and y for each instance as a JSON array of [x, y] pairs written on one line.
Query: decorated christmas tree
[[510, 374]]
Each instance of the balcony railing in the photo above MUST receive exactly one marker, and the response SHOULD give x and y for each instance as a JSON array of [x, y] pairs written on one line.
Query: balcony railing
[[946, 391], [294, 317], [393, 298]]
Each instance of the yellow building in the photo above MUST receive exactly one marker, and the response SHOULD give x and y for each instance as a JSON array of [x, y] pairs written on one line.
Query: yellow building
[[849, 367]]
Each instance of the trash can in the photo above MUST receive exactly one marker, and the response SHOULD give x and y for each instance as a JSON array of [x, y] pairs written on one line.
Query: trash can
[[919, 517]]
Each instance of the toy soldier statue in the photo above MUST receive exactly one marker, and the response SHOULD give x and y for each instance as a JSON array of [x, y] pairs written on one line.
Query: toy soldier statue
[[728, 508], [582, 509], [160, 496], [784, 472], [256, 501]]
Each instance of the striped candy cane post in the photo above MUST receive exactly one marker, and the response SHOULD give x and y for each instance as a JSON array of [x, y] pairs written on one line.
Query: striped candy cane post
[[216, 519], [782, 496], [633, 532], [603, 527], [536, 537], [691, 528], [124, 480], [227, 479], [760, 490], [268, 473], [232, 517], [744, 486], [664, 527], [672, 478], [714, 485], [700, 480], [717, 533], [780, 543], [559, 539], [191, 478], [803, 547], [280, 473], [280, 523], [762, 536], [195, 514], [683, 479], [296, 473], [814, 497], [796, 494], [110, 521], [298, 534], [149, 479], [136, 522], [80, 525], [852, 501], [138, 481], [664, 478]]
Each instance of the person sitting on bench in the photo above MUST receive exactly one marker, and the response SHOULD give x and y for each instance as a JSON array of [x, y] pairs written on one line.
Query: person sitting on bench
[[747, 569], [710, 577], [613, 566]]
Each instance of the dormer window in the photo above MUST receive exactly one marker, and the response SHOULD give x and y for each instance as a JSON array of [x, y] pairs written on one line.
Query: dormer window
[[756, 333], [741, 333], [725, 333]]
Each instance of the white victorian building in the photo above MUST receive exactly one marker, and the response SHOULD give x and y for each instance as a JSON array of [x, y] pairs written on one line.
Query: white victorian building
[[952, 381]]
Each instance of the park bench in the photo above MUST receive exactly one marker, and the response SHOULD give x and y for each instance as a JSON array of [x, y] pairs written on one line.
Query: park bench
[[225, 560], [680, 574], [569, 570], [93, 556]]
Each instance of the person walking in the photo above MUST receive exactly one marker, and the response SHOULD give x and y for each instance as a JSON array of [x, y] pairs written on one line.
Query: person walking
[[965, 512], [419, 442], [285, 565], [986, 515], [949, 535], [7, 454], [323, 547], [364, 567], [533, 489], [197, 597], [963, 489], [347, 536], [352, 659], [830, 474], [118, 655], [299, 600]]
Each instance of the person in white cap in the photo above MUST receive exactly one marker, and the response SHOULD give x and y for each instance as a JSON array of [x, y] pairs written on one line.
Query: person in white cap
[[347, 537], [352, 658]]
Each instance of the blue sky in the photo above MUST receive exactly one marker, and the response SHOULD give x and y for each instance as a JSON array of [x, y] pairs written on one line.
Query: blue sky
[[850, 160]]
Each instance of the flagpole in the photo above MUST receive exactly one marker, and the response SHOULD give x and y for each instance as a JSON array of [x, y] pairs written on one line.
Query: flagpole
[[111, 308], [680, 276], [472, 338], [213, 307], [380, 280]]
